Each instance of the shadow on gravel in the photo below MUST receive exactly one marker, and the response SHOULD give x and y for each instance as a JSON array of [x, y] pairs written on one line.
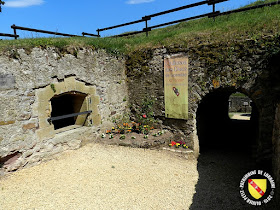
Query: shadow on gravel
[[222, 163], [220, 172], [227, 152]]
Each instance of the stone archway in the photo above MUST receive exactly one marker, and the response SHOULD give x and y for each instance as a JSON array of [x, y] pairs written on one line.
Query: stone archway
[[230, 149], [68, 103], [67, 89], [214, 106], [216, 129]]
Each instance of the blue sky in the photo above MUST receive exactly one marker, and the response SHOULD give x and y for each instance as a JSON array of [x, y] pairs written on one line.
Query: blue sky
[[75, 17]]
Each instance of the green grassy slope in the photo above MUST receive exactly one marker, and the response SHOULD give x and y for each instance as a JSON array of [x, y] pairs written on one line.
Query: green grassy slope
[[252, 24]]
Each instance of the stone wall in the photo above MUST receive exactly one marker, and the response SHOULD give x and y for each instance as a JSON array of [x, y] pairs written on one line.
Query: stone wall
[[29, 79], [239, 104], [276, 152], [219, 68]]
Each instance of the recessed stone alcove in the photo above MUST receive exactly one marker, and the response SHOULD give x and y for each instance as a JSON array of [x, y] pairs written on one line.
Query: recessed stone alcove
[[66, 97], [66, 104]]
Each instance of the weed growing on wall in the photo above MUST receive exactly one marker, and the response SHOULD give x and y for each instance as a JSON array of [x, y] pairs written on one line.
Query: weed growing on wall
[[53, 88], [145, 111]]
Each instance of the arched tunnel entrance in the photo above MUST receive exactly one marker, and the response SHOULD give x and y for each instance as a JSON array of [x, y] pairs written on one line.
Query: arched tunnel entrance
[[215, 128], [226, 152]]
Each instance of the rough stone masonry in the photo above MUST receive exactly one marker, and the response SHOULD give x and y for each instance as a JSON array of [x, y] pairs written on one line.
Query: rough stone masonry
[[30, 80], [216, 70]]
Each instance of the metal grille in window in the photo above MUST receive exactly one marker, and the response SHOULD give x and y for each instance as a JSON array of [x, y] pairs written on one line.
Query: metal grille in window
[[69, 109]]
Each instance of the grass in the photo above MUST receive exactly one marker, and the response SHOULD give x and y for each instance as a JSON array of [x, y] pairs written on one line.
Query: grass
[[237, 94], [230, 115], [252, 24]]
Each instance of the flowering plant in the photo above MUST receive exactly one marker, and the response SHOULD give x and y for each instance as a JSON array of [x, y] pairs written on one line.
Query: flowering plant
[[178, 144]]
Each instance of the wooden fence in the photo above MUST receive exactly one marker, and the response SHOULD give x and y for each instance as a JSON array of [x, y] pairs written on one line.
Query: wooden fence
[[145, 19], [212, 14]]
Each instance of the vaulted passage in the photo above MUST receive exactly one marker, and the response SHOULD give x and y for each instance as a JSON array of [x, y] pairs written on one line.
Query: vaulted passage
[[67, 103], [216, 129], [226, 152]]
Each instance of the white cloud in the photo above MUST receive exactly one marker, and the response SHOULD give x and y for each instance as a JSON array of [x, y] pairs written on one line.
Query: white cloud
[[139, 1], [23, 3]]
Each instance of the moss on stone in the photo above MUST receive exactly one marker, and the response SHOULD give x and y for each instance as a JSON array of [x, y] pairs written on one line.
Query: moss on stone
[[137, 63]]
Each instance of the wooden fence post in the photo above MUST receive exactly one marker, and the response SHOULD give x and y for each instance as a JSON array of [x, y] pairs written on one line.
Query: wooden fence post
[[214, 10], [15, 31]]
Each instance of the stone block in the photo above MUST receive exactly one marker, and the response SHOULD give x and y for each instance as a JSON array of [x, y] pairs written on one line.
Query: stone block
[[43, 123], [60, 88], [7, 81], [40, 95], [45, 133], [95, 100], [43, 109], [7, 122], [47, 148], [23, 117], [96, 119], [70, 84], [86, 90], [92, 90], [80, 86], [94, 110], [35, 107], [29, 126], [48, 93], [30, 94]]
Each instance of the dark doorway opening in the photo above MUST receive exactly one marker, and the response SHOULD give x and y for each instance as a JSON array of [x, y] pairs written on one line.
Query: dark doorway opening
[[66, 103], [226, 147], [216, 129], [240, 106]]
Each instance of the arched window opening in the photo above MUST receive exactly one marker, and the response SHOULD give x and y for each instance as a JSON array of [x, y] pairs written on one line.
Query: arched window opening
[[66, 105]]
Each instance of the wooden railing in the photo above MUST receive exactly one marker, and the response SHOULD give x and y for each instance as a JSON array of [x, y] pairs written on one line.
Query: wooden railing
[[145, 19], [213, 15]]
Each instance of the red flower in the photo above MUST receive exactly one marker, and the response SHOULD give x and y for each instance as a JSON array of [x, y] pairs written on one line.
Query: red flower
[[144, 116], [173, 143]]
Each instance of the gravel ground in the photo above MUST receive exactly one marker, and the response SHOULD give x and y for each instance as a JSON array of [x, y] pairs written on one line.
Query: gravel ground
[[103, 177], [220, 172], [240, 116]]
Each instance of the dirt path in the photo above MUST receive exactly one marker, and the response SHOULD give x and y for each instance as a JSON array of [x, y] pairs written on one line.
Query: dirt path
[[241, 116], [109, 177], [103, 177]]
